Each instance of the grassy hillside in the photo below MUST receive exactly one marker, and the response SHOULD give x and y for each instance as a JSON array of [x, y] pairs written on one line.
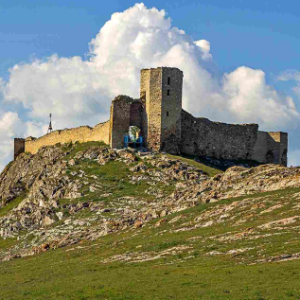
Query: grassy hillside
[[95, 223], [241, 248]]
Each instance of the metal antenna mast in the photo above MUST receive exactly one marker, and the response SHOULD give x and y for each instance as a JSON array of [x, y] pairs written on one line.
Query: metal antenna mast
[[50, 125]]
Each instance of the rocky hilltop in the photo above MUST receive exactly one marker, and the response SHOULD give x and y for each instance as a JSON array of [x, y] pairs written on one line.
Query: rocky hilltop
[[66, 194]]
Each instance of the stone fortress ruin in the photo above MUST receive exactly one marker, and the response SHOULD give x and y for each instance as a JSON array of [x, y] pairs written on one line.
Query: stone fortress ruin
[[165, 126]]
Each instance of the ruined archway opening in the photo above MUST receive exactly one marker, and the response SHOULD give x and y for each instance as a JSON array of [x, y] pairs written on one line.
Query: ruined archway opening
[[270, 157], [133, 139]]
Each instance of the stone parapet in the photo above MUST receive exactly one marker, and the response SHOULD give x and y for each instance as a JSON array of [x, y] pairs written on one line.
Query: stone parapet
[[202, 137], [79, 134]]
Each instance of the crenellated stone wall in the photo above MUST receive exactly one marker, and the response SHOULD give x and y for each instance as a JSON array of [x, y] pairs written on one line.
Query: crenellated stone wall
[[80, 134]]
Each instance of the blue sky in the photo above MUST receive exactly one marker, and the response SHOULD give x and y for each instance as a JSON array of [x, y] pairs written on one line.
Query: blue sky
[[261, 35]]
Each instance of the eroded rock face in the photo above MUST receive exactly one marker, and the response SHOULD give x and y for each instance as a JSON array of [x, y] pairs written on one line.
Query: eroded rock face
[[29, 170], [51, 182], [239, 181]]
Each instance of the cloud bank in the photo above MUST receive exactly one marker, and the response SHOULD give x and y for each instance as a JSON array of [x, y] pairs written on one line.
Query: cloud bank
[[10, 127], [79, 91]]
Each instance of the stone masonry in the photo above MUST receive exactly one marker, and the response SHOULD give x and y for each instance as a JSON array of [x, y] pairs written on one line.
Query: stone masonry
[[166, 127]]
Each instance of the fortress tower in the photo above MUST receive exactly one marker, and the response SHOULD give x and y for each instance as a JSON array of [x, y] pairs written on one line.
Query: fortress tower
[[161, 92]]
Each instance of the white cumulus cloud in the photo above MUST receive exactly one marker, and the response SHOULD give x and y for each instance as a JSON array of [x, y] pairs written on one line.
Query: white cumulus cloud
[[251, 99], [79, 91], [10, 127], [204, 45], [292, 75]]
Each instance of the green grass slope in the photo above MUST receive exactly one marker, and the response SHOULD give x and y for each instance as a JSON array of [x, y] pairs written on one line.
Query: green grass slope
[[241, 248]]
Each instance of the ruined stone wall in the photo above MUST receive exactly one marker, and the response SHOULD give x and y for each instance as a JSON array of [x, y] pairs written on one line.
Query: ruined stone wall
[[80, 134], [124, 111], [119, 120], [136, 114], [19, 147], [266, 148], [172, 81], [282, 139], [203, 137], [165, 126], [284, 144], [271, 147]]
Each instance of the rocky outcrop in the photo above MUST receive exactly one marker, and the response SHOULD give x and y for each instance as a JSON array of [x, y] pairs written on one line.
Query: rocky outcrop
[[28, 170], [53, 180], [69, 194], [239, 181]]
